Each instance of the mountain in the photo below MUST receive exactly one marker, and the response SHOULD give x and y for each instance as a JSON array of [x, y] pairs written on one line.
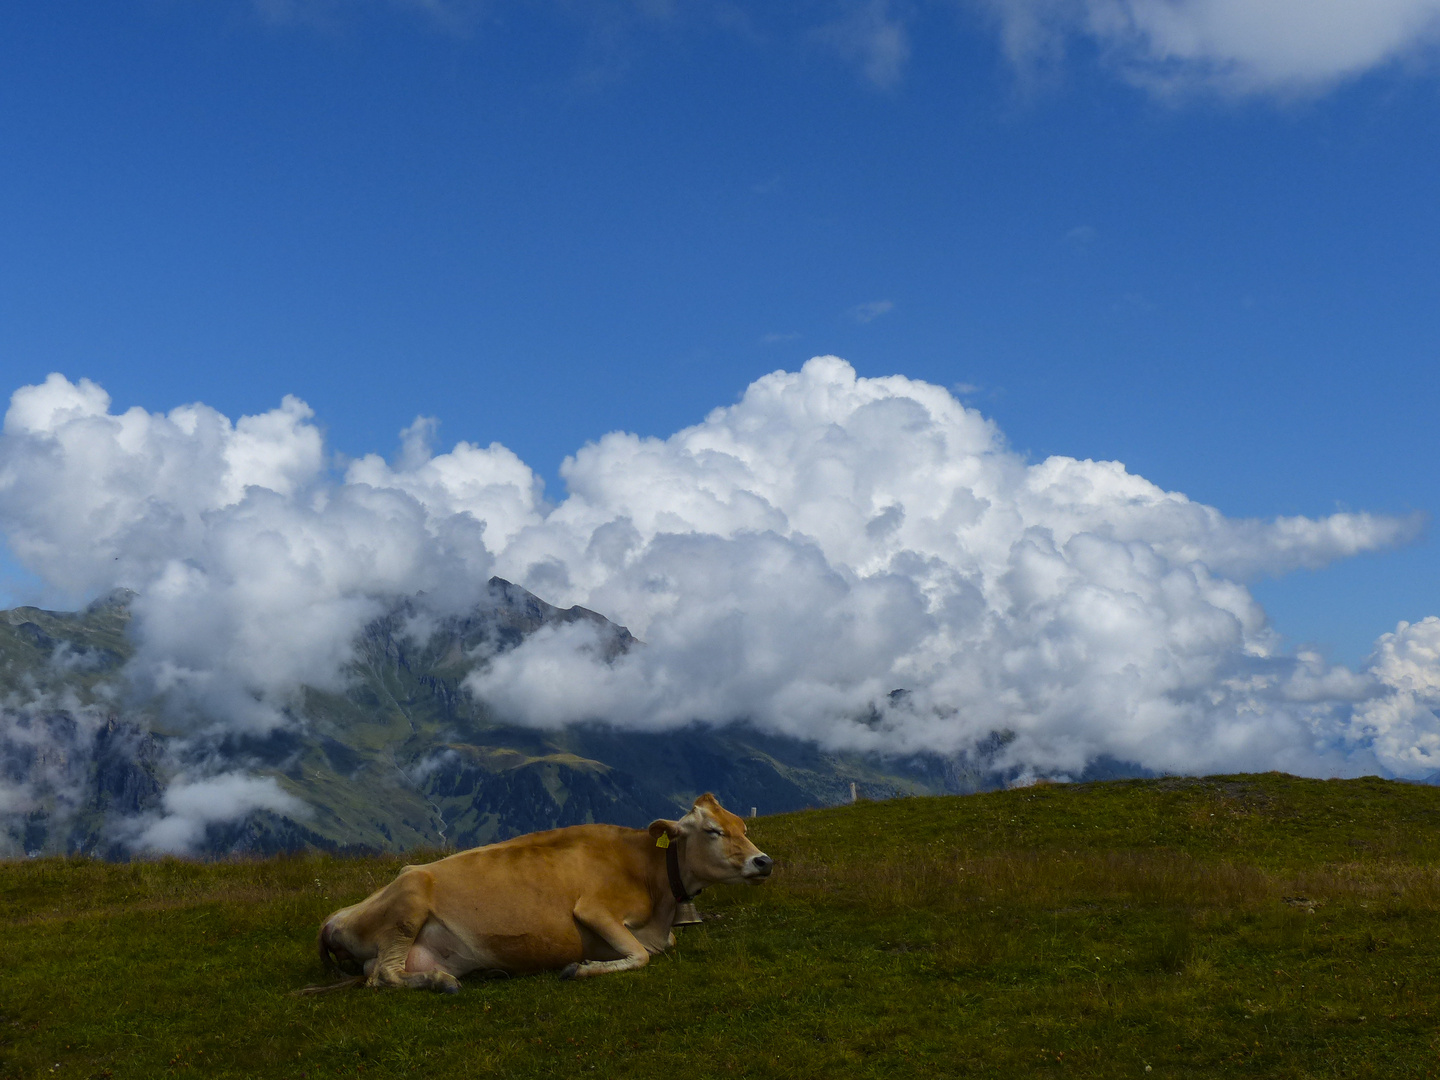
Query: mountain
[[404, 757]]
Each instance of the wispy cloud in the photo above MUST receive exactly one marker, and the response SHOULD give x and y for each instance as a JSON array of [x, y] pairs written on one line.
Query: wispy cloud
[[192, 806], [871, 310], [776, 339], [1235, 46], [873, 37], [1171, 47]]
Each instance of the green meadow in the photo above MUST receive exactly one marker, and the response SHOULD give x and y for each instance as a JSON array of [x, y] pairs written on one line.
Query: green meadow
[[1228, 926]]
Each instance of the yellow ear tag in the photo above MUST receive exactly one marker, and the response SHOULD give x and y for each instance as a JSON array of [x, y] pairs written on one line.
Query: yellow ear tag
[[663, 840]]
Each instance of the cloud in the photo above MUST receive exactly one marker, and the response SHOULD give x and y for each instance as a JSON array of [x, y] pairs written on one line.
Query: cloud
[[190, 807], [871, 36], [829, 539], [1403, 722], [1171, 47], [254, 568], [871, 310], [88, 489], [791, 560], [45, 738], [1238, 46]]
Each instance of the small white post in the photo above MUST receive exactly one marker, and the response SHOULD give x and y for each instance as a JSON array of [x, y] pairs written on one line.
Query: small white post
[[753, 811], [854, 795]]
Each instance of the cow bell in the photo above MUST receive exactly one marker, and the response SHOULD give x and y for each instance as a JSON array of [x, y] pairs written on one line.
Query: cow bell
[[685, 914]]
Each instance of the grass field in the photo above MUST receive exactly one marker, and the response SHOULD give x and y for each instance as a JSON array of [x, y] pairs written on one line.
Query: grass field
[[1231, 926]]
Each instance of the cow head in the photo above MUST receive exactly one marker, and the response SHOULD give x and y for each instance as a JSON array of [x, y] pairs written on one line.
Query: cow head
[[716, 850]]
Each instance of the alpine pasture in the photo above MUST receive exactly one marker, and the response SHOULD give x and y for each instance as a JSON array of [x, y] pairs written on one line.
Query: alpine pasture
[[1258, 925]]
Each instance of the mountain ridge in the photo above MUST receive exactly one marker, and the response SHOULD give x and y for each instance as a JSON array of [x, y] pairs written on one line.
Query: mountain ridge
[[403, 756]]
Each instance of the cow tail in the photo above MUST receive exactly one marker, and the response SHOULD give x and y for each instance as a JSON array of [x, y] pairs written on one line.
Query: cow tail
[[344, 984]]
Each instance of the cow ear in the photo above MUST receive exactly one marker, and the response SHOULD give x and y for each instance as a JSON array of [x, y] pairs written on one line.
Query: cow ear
[[661, 827]]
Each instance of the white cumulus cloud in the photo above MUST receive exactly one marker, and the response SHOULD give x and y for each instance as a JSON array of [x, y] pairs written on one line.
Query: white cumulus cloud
[[254, 568], [791, 560], [830, 538], [1402, 722]]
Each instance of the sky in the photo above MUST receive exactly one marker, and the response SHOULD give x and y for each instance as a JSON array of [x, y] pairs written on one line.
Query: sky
[[1193, 237]]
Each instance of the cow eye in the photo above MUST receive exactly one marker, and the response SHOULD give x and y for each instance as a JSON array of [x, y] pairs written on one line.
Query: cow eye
[[716, 832]]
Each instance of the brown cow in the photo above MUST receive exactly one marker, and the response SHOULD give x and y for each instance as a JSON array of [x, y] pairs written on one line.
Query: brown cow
[[589, 899]]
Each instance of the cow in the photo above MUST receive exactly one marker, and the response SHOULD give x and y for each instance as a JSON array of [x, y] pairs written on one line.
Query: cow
[[585, 900]]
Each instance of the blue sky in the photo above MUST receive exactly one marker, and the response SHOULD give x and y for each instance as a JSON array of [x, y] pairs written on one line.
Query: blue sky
[[540, 222]]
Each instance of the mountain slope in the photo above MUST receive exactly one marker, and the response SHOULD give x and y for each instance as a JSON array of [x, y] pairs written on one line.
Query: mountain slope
[[404, 757]]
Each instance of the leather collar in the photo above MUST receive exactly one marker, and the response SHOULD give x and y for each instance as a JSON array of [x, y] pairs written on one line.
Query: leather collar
[[672, 869]]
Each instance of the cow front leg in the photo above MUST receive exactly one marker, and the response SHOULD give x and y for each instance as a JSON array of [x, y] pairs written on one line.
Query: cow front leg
[[610, 929], [400, 921], [390, 967]]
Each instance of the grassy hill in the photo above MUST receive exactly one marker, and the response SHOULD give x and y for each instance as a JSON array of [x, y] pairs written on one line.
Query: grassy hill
[[1231, 926]]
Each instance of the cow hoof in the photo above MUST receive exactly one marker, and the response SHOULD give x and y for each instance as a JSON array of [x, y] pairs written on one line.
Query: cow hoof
[[444, 982], [572, 971]]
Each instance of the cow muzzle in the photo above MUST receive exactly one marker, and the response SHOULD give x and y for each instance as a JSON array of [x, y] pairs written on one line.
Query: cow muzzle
[[758, 867]]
